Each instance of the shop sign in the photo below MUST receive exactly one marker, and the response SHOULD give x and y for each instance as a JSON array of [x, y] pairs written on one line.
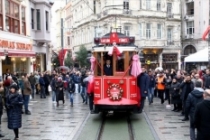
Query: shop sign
[[15, 45]]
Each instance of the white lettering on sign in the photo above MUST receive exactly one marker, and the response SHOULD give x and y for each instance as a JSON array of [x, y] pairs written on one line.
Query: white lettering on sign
[[97, 95], [133, 95], [104, 40], [123, 40], [133, 83]]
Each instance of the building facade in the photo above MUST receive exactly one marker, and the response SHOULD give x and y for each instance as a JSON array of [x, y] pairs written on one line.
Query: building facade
[[40, 26], [195, 20], [16, 51], [155, 24]]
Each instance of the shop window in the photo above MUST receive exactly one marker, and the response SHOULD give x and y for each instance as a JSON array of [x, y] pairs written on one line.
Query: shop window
[[23, 20], [12, 17]]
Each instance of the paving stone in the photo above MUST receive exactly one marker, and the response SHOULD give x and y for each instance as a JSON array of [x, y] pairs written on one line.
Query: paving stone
[[48, 122], [167, 124]]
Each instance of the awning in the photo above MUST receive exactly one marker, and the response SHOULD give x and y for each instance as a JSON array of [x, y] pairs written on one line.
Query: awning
[[16, 53], [200, 56]]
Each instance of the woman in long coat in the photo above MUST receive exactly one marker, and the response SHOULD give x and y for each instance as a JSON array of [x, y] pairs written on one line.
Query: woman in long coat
[[14, 104], [175, 96], [59, 91]]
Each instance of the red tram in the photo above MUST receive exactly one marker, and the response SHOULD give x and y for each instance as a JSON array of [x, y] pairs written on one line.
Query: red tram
[[117, 91]]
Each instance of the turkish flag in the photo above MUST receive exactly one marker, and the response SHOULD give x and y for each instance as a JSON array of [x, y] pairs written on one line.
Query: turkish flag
[[206, 33]]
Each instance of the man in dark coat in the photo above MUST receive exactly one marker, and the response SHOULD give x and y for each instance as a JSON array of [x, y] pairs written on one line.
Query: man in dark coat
[[186, 86], [202, 117], [108, 68], [207, 80], [193, 99], [143, 83]]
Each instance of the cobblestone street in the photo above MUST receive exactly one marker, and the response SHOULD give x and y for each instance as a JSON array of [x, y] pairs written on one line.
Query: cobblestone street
[[49, 122]]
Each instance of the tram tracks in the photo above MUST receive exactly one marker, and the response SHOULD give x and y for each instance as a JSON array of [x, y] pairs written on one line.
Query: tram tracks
[[101, 135]]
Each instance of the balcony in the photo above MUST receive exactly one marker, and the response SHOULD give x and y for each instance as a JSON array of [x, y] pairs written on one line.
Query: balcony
[[189, 36], [170, 42], [189, 17], [170, 15]]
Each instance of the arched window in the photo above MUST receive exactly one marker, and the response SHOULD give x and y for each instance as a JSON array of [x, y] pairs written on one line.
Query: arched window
[[190, 49]]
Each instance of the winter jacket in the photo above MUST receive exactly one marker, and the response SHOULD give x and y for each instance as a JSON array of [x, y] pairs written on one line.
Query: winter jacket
[[151, 81], [143, 84], [14, 107], [41, 81], [207, 82], [193, 99], [202, 121], [71, 86], [27, 87], [52, 84], [174, 91], [82, 78], [32, 80], [186, 88], [77, 79]]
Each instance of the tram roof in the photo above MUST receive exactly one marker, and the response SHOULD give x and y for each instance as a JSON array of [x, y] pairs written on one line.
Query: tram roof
[[103, 48]]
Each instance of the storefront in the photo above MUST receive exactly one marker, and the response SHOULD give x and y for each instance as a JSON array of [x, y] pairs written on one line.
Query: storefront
[[18, 56], [170, 61]]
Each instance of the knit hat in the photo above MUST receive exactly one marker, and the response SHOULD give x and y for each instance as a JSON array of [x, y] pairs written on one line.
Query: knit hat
[[14, 86]]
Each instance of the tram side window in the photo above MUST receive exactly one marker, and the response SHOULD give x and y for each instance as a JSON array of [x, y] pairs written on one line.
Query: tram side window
[[98, 67], [120, 63]]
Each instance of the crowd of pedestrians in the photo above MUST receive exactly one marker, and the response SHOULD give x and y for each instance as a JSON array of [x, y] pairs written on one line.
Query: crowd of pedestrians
[[17, 90], [187, 91]]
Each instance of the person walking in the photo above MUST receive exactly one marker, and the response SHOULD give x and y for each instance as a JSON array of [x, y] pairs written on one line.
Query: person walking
[[187, 87], [53, 85], [14, 102], [207, 79], [37, 76], [59, 91], [193, 99], [71, 90], [151, 87], [143, 84], [83, 88], [42, 86], [161, 81], [26, 94], [32, 81], [175, 96], [201, 117]]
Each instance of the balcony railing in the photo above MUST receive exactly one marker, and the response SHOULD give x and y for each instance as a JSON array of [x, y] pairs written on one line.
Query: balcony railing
[[170, 15], [170, 42], [188, 36]]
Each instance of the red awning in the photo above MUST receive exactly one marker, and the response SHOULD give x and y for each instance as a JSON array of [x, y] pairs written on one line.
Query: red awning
[[21, 53]]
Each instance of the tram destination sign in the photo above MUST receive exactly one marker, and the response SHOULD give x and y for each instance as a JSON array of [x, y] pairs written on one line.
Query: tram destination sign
[[117, 40]]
